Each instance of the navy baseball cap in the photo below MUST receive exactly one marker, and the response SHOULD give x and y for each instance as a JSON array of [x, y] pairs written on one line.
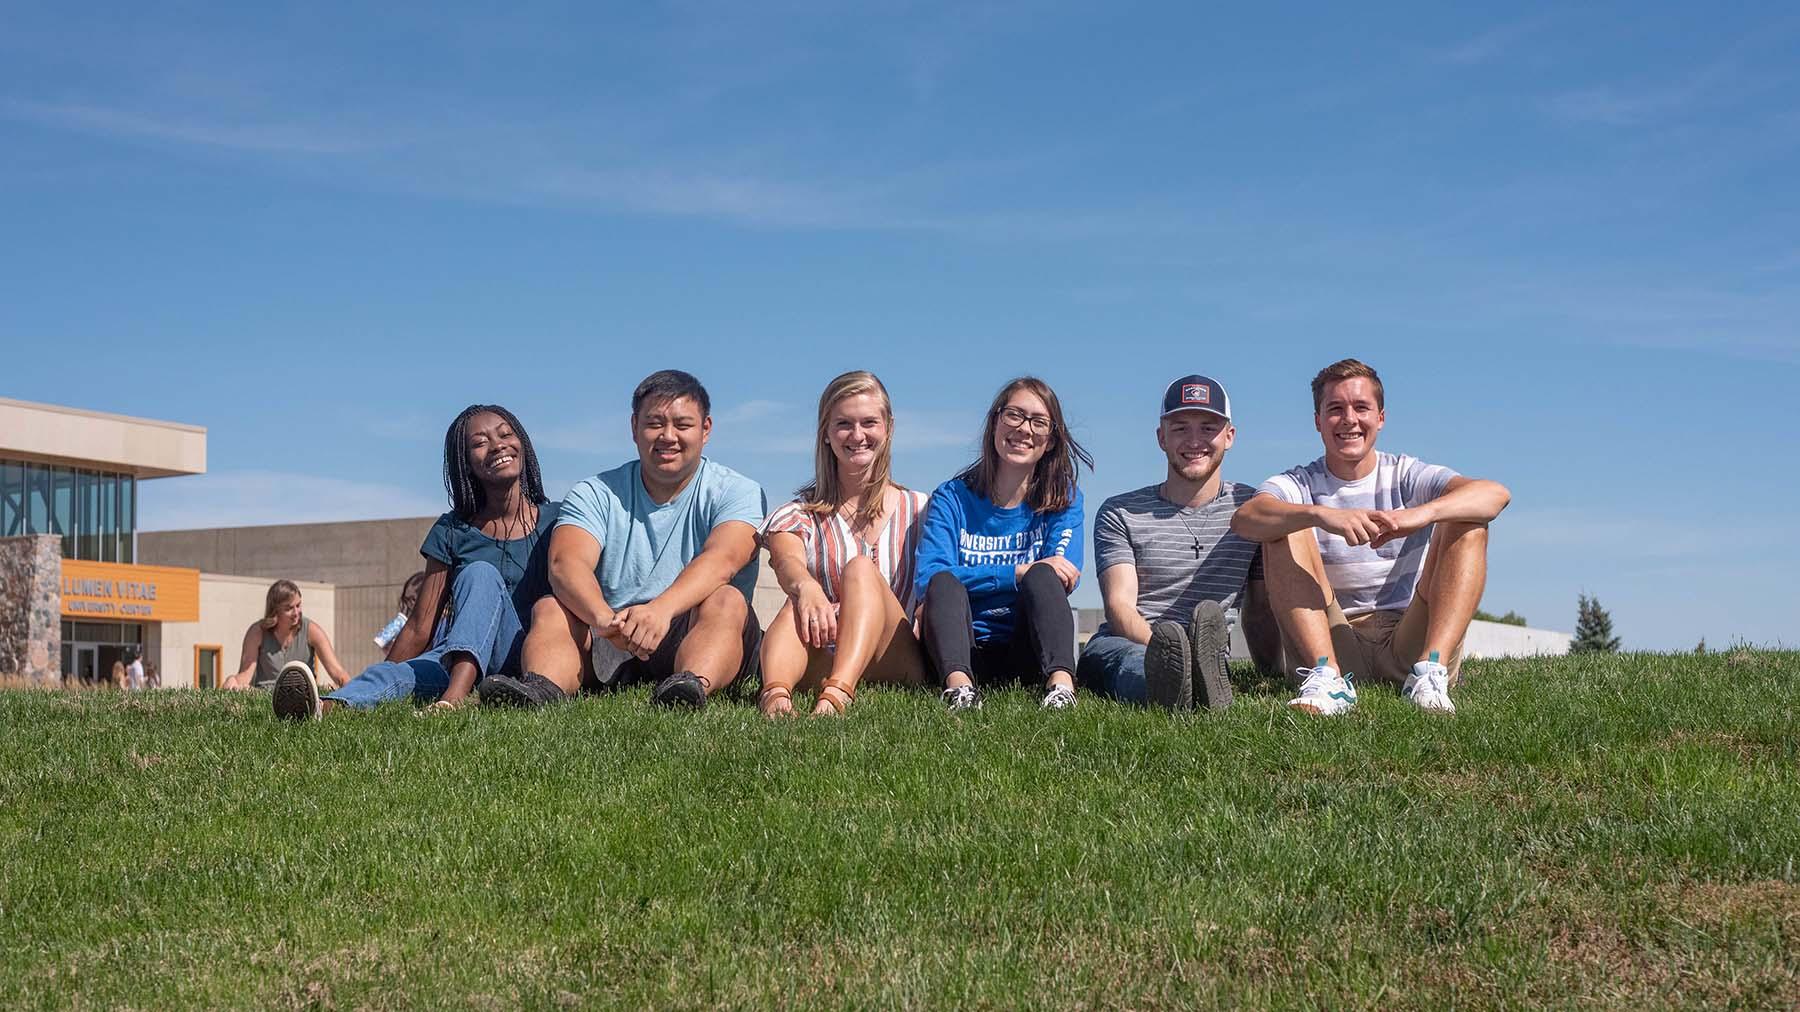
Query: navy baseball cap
[[1196, 393]]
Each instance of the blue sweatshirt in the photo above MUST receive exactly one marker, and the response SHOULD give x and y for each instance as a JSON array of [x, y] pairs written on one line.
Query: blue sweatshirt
[[979, 543]]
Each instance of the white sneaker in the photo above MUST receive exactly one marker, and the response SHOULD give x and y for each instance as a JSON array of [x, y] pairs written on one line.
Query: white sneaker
[[1324, 692], [1059, 698], [1428, 687], [296, 695]]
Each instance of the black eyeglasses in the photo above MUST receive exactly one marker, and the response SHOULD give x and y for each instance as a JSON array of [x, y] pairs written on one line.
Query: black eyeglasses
[[1012, 416]]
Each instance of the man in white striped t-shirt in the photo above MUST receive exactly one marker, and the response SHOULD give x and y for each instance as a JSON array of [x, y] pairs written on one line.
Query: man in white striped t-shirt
[[1171, 569], [1374, 562]]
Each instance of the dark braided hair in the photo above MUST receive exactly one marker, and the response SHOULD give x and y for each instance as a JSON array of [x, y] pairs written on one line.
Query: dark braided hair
[[467, 497]]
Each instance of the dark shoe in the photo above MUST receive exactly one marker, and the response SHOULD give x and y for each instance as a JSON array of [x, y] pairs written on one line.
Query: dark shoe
[[296, 695], [533, 690], [1212, 648], [1168, 677], [683, 688], [961, 697]]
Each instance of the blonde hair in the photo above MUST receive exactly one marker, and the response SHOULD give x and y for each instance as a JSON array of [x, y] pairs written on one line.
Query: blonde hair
[[825, 494], [280, 593]]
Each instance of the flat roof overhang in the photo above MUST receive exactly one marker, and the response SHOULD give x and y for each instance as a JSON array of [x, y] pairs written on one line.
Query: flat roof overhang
[[73, 437]]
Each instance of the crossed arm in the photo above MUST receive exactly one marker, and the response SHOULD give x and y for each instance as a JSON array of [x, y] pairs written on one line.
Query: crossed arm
[[640, 628], [1465, 500]]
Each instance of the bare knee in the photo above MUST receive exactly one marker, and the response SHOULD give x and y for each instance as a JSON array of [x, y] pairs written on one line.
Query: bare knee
[[1459, 532], [724, 605]]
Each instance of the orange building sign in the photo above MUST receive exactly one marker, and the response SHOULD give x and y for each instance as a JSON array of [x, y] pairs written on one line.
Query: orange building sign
[[112, 591]]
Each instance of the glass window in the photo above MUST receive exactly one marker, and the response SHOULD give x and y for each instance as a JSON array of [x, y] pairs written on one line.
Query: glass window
[[12, 500], [87, 491], [62, 512], [109, 518], [37, 499], [127, 518]]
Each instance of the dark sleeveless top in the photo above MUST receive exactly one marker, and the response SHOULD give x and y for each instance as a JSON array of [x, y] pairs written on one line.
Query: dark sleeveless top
[[271, 658]]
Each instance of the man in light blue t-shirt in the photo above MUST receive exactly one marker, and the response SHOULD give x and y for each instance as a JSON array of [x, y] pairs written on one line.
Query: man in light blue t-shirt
[[1374, 562], [652, 565]]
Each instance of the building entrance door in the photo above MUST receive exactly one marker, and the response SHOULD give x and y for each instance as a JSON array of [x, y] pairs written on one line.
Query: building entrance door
[[87, 663]]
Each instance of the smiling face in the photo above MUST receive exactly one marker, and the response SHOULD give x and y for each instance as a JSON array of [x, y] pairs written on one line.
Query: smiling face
[[670, 435], [1350, 417], [493, 449], [287, 614], [1195, 443], [857, 431], [1022, 430]]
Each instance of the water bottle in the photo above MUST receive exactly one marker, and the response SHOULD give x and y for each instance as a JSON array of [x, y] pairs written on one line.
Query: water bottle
[[391, 630]]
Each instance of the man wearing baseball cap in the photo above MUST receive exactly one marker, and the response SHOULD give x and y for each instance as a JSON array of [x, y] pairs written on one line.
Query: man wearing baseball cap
[[1171, 570], [1375, 561]]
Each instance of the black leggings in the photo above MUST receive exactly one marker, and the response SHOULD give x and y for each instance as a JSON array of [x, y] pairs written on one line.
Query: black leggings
[[1043, 638]]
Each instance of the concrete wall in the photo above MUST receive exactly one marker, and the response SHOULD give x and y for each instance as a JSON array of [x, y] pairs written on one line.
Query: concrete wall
[[228, 605], [51, 433], [364, 561], [1495, 639], [31, 610]]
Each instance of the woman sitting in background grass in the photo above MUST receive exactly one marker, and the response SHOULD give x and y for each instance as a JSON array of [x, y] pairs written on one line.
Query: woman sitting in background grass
[[485, 561], [842, 551], [1001, 551], [284, 638]]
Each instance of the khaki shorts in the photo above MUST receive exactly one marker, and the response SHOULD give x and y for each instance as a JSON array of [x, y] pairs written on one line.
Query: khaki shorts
[[1377, 646]]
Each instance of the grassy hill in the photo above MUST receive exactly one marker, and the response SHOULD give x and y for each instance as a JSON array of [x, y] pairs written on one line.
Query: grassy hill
[[1601, 831]]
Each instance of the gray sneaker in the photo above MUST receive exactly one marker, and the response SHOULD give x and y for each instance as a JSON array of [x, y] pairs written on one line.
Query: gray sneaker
[[1212, 648], [961, 697], [296, 695], [1168, 677]]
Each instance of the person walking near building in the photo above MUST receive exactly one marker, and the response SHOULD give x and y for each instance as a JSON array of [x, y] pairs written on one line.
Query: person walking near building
[[843, 552], [1171, 571], [652, 565], [284, 638], [1001, 551], [1375, 561], [486, 562], [134, 671]]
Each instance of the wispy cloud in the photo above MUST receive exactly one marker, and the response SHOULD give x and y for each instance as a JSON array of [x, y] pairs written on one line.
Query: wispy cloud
[[1489, 45], [252, 497], [266, 137]]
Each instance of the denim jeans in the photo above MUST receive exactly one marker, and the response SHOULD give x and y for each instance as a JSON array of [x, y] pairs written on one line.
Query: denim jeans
[[482, 623], [1113, 666]]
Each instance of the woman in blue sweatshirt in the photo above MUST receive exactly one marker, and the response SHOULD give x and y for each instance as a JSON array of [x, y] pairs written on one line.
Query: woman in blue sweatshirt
[[999, 552]]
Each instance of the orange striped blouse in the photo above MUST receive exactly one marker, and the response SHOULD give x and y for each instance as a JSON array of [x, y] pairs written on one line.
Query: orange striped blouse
[[828, 543]]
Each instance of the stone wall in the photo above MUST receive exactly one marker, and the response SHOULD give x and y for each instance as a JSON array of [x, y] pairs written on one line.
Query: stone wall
[[31, 609]]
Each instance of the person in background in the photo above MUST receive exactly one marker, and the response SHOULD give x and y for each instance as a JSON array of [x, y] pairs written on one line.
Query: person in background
[[284, 639], [842, 552], [117, 681], [134, 671], [485, 566], [1001, 552]]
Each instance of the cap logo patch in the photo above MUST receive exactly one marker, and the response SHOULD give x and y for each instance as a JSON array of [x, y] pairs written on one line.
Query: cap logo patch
[[1196, 393]]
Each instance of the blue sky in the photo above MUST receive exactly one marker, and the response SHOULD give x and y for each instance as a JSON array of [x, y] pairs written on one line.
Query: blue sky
[[1566, 235]]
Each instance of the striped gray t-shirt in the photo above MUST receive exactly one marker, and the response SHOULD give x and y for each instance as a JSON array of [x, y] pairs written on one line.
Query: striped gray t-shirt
[[1363, 578], [1183, 555]]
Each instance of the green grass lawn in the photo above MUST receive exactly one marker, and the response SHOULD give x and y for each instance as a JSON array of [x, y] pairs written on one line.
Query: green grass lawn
[[1606, 831]]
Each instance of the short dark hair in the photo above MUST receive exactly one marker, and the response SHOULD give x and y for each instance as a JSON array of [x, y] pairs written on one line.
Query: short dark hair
[[1347, 369], [670, 385]]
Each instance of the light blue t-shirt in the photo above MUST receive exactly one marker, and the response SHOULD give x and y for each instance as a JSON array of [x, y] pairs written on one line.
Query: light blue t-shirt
[[644, 546]]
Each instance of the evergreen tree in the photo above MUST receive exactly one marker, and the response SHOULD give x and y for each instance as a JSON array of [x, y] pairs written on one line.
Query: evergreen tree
[[1593, 628]]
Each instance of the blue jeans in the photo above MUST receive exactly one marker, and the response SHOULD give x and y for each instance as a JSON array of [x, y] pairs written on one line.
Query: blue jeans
[[482, 624], [1113, 666]]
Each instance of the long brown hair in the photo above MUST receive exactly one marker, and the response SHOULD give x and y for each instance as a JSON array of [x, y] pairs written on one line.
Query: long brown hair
[[1052, 483], [825, 495], [280, 593]]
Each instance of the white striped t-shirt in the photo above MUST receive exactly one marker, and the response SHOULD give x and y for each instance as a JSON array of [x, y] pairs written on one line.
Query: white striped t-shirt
[[1362, 578], [827, 543]]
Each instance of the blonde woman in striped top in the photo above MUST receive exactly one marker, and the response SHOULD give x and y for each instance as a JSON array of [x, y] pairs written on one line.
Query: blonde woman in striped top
[[842, 551]]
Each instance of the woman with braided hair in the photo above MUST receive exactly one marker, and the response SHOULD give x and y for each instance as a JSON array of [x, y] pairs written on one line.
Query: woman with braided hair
[[485, 566]]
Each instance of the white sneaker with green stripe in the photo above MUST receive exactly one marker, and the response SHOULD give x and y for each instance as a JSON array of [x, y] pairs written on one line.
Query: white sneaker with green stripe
[[1428, 687], [1323, 691]]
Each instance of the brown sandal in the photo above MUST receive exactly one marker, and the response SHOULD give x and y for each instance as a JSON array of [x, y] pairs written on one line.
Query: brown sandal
[[769, 696], [836, 696]]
